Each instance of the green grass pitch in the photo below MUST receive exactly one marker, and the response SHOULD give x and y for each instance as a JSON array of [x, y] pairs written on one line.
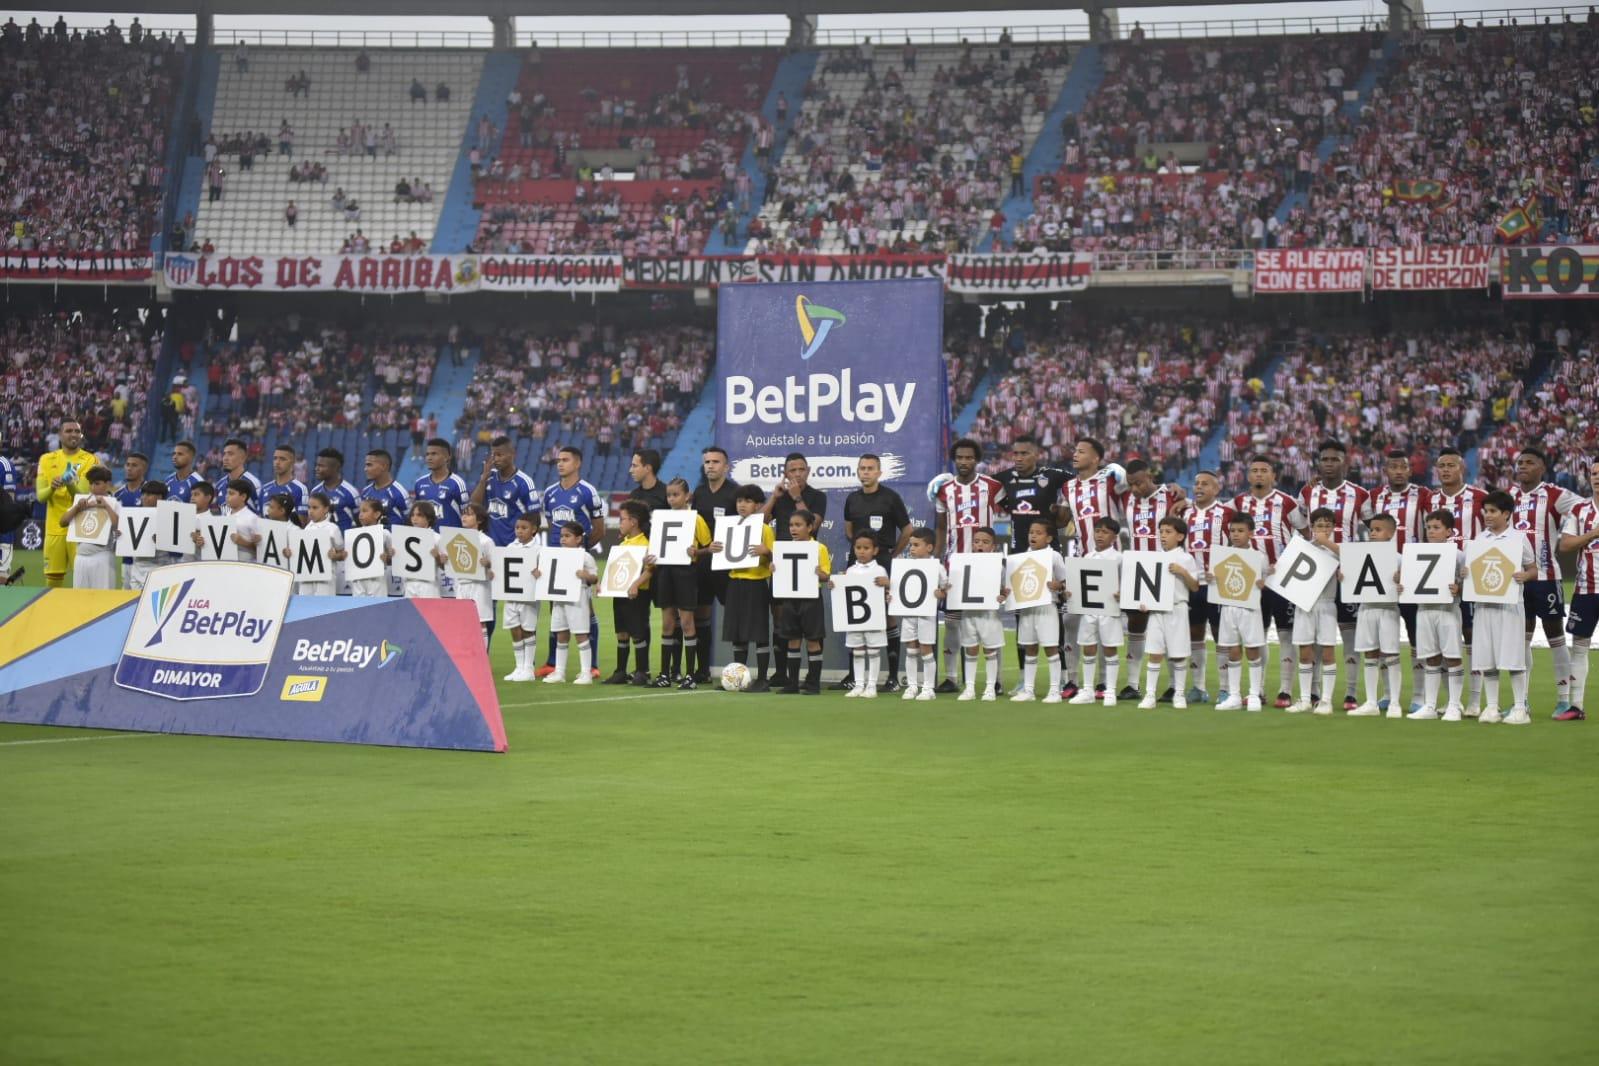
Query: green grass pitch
[[709, 877]]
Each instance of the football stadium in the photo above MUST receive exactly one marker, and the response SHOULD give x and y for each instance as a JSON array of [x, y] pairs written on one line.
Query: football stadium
[[510, 515]]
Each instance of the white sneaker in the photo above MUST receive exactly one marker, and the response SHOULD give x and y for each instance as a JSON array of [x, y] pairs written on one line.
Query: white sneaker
[[1365, 710], [1470, 712], [1299, 706], [1231, 703], [1109, 700], [988, 696], [1490, 716], [1322, 707], [553, 679], [1053, 697], [926, 695], [1451, 713], [1424, 714], [519, 674], [1021, 695], [1179, 701], [869, 693], [967, 694], [854, 692], [1252, 704], [1518, 716], [911, 693], [1084, 695], [583, 679], [1394, 711], [1147, 703]]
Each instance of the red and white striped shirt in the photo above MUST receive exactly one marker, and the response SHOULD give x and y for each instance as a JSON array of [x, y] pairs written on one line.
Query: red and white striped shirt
[[1538, 515], [1144, 514], [1408, 508], [1347, 502], [1276, 516], [1584, 518], [1086, 500], [1466, 506], [967, 508], [1207, 527]]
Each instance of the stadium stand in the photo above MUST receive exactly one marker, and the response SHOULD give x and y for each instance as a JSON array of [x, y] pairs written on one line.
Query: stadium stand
[[353, 138], [84, 170], [671, 124], [1557, 414], [907, 149]]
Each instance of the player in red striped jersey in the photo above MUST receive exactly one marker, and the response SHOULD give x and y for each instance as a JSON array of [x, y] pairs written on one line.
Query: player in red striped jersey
[[1540, 507], [963, 506], [1580, 534], [1094, 491], [1145, 503], [1277, 515], [1333, 490], [1465, 503], [1407, 504], [1207, 519]]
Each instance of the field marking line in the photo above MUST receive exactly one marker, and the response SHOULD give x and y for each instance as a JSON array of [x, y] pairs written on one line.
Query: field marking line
[[601, 699], [75, 740]]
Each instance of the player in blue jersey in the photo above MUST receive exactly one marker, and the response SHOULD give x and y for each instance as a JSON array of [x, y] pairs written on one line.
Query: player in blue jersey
[[8, 485], [507, 492], [381, 486], [234, 454], [283, 482], [184, 477], [571, 499], [344, 497], [440, 486], [131, 494]]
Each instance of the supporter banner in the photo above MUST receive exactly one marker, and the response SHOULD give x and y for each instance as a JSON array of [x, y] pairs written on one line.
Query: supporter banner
[[834, 371], [550, 273], [1310, 270], [407, 673], [92, 267], [323, 273], [712, 271], [1417, 269], [1019, 274], [1550, 272]]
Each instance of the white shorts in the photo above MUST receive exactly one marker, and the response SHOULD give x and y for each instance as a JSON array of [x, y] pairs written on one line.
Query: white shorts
[[316, 588], [480, 593], [919, 630], [524, 616], [866, 638], [1377, 628], [1438, 632], [421, 590], [370, 586], [1102, 630], [1319, 625], [1498, 637], [1241, 626], [1168, 634], [981, 629], [566, 617], [138, 572], [96, 571], [1038, 625]]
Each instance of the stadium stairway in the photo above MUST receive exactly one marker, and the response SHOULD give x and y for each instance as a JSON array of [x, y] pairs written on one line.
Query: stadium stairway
[[697, 433], [1544, 357], [1082, 80], [459, 218], [193, 178], [962, 423], [446, 398], [1374, 72], [793, 72], [1210, 454]]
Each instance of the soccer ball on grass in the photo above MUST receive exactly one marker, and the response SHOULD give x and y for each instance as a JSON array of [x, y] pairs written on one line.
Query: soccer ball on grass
[[735, 677]]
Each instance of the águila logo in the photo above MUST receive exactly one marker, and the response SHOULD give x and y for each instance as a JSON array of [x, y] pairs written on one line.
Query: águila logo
[[815, 323], [164, 603]]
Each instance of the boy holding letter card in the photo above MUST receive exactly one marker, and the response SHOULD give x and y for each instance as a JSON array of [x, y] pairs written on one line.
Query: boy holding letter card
[[799, 565], [315, 549], [631, 609], [1427, 569], [860, 612], [569, 621], [1304, 576], [139, 546], [979, 577], [1237, 575], [918, 583], [91, 523], [1036, 577], [516, 587], [1499, 561], [416, 549], [676, 578], [1369, 577], [174, 529], [1168, 635], [367, 552], [748, 620], [1101, 628]]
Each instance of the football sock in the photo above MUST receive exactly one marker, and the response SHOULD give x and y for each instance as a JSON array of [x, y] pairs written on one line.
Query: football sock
[[560, 659]]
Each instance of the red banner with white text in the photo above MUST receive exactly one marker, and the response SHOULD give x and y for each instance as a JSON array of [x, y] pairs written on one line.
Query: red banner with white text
[[1280, 270], [371, 274], [1430, 268]]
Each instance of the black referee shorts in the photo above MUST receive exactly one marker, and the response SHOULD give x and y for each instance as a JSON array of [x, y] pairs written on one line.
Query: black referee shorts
[[676, 586], [748, 618], [712, 584]]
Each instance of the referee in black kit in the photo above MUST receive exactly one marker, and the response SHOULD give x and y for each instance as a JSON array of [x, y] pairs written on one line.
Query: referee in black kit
[[879, 510], [713, 499], [793, 493]]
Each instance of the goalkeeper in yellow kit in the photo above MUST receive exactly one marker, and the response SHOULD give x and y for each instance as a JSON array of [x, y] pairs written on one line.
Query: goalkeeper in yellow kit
[[61, 479]]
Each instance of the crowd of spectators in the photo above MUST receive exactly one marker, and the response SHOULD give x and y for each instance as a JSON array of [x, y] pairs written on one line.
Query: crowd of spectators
[[1147, 389], [910, 160], [61, 364], [1413, 390], [610, 388], [1140, 211], [671, 222], [1560, 415], [83, 141], [1470, 125]]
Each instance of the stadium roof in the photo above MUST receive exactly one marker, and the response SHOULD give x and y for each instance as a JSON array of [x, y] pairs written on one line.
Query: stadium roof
[[545, 8]]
